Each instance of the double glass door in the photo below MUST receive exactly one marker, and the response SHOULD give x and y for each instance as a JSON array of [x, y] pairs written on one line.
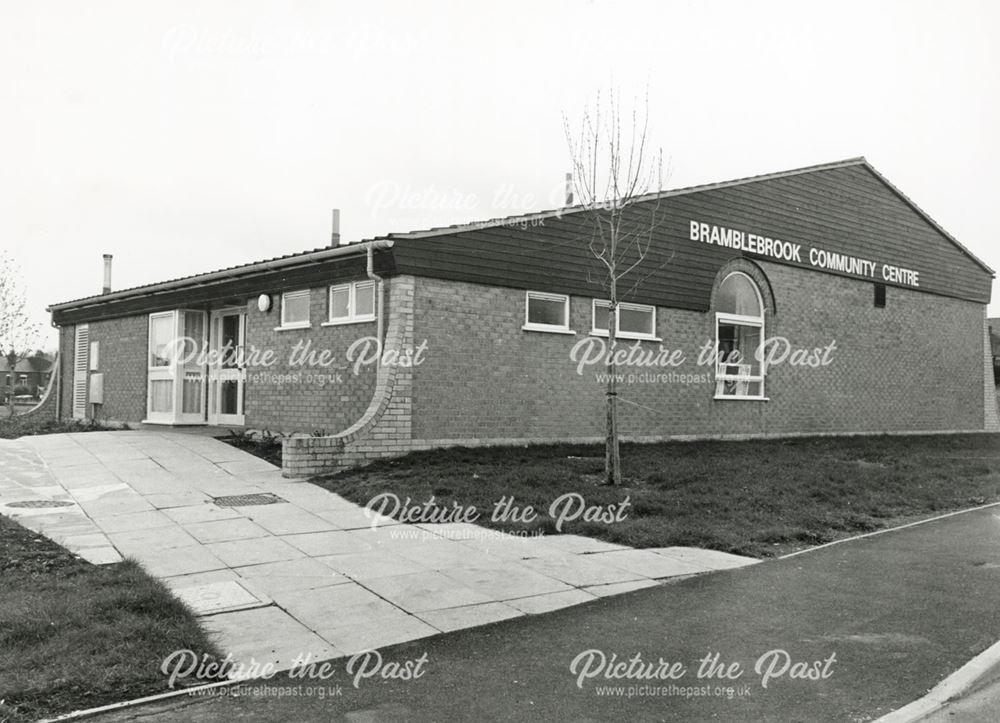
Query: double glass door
[[184, 384]]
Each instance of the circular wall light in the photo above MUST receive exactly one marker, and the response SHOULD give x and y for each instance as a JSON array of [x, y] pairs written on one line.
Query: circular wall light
[[264, 302]]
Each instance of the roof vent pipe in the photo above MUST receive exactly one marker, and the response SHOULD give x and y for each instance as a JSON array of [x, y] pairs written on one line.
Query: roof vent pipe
[[107, 274], [569, 189], [335, 235]]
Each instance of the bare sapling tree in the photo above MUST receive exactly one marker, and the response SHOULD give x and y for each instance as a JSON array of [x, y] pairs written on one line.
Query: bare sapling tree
[[19, 333], [616, 178]]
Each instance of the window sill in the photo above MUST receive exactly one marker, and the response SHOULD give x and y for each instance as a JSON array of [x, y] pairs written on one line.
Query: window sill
[[732, 397], [293, 327], [345, 322], [548, 330], [628, 336]]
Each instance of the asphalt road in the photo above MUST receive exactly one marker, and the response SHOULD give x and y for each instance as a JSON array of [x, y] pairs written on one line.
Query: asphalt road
[[865, 627]]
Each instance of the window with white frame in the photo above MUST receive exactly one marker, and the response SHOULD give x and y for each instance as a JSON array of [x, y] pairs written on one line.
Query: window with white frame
[[546, 312], [635, 321], [295, 309], [739, 330], [352, 303]]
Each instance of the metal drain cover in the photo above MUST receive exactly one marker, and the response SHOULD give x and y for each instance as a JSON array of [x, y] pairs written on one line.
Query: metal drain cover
[[263, 498], [40, 503]]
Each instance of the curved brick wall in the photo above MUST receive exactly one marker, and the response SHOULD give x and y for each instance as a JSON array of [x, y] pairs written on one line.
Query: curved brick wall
[[384, 428]]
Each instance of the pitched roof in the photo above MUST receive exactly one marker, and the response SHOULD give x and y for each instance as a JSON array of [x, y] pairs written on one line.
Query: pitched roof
[[559, 212], [306, 257], [31, 364]]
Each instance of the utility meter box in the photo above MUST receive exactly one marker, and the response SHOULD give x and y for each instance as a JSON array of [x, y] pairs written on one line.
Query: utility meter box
[[97, 388]]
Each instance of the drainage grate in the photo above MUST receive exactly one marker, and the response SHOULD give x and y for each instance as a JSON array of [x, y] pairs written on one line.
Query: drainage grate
[[40, 503], [263, 498]]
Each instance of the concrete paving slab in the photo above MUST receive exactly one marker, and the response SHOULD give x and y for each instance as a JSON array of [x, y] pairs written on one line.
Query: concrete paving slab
[[167, 500], [287, 519], [100, 555], [396, 628], [136, 541], [237, 528], [115, 491], [439, 554], [505, 580], [352, 519], [215, 597], [708, 559], [180, 561], [146, 520], [103, 508], [267, 635], [63, 525], [416, 592], [316, 544], [291, 575], [550, 601], [238, 553], [576, 544], [178, 582], [85, 541], [337, 606], [469, 616], [456, 530], [507, 547], [202, 512], [580, 570], [619, 587], [372, 564], [648, 564]]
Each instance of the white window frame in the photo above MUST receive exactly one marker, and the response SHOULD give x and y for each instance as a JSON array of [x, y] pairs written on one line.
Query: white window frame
[[619, 334], [352, 296], [296, 324], [742, 377], [551, 328], [175, 372]]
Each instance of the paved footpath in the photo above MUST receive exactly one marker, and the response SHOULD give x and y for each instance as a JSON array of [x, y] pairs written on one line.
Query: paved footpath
[[980, 704], [900, 611], [308, 574]]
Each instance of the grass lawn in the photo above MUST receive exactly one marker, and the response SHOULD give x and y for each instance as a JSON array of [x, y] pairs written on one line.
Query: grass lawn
[[759, 498], [74, 635]]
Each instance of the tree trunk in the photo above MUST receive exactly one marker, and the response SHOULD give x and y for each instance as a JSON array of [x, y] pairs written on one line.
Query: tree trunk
[[612, 457], [12, 360]]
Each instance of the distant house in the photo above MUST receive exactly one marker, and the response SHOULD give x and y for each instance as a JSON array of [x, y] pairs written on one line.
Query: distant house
[[32, 374]]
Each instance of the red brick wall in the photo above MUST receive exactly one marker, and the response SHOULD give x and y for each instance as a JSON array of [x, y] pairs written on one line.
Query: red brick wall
[[915, 365], [316, 398], [304, 404], [122, 360], [65, 371]]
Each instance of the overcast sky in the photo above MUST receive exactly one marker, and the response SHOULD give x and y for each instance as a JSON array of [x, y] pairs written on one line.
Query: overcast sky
[[189, 136]]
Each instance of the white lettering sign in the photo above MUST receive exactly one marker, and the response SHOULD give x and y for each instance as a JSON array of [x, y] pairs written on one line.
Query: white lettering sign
[[787, 251]]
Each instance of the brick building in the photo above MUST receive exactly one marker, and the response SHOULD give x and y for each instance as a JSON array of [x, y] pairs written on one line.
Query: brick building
[[30, 376], [814, 301]]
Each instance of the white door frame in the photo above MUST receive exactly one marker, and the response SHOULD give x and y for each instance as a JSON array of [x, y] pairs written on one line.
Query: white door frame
[[228, 366]]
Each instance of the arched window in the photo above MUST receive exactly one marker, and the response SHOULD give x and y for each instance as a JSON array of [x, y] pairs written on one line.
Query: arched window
[[739, 330]]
